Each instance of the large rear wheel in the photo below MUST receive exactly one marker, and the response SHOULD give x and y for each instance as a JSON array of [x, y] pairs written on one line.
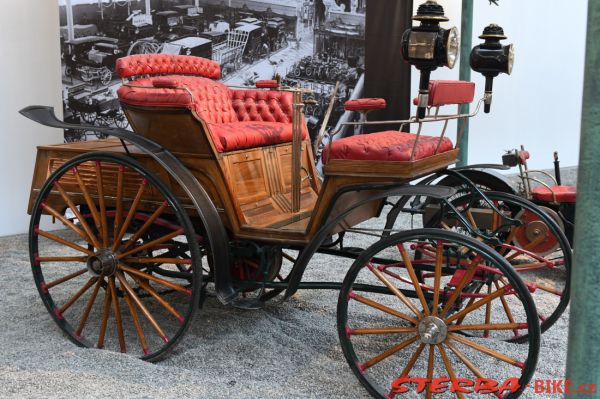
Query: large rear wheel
[[125, 273], [392, 327]]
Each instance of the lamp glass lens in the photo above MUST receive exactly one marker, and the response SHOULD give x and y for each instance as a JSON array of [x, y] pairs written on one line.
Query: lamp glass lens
[[452, 47], [511, 58], [421, 45]]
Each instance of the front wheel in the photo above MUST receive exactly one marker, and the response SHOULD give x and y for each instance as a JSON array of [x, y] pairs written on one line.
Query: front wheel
[[125, 273], [392, 327]]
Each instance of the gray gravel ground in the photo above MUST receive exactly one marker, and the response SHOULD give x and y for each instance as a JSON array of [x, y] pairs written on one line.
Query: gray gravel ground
[[288, 349]]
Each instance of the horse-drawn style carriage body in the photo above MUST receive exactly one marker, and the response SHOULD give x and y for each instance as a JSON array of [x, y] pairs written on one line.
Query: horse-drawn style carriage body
[[215, 182], [189, 45], [276, 29], [192, 18]]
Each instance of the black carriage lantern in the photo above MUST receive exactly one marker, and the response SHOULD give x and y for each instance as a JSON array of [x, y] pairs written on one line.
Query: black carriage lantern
[[491, 58], [429, 46]]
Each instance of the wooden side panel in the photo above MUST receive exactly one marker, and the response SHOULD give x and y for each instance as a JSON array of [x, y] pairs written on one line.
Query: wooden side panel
[[175, 129]]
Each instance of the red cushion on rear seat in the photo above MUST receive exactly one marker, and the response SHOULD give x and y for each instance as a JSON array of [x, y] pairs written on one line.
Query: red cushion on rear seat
[[211, 99], [154, 64], [242, 135], [385, 146], [563, 193]]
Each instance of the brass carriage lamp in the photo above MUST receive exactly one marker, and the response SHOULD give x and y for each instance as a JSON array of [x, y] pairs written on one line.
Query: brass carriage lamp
[[491, 58], [429, 46]]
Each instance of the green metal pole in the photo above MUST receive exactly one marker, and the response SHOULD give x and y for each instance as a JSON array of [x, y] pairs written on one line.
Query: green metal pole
[[466, 37], [583, 361]]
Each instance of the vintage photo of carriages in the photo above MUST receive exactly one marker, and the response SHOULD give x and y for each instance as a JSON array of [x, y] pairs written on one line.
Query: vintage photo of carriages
[[311, 44]]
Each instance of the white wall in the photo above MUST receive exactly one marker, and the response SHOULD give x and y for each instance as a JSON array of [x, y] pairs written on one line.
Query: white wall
[[30, 74], [539, 105]]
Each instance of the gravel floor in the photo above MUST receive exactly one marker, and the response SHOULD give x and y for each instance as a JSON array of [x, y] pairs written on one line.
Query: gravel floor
[[288, 349]]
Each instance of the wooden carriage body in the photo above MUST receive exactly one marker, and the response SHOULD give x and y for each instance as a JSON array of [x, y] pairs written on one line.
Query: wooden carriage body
[[238, 144]]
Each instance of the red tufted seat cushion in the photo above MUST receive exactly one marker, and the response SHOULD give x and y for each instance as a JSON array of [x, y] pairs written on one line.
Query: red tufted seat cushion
[[155, 64], [385, 146], [563, 193], [242, 135]]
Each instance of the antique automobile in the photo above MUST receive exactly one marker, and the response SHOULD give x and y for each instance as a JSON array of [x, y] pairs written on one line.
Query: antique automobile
[[276, 29], [98, 107], [168, 24], [538, 186], [136, 26], [215, 192], [256, 42], [192, 19], [190, 45], [92, 58]]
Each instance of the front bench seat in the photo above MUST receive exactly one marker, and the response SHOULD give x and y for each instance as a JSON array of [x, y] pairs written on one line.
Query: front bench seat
[[235, 119]]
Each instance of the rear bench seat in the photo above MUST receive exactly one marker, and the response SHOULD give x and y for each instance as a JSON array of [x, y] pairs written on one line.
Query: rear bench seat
[[235, 119]]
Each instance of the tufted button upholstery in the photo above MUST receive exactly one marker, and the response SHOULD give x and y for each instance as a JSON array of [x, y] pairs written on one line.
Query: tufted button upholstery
[[385, 146], [448, 92], [155, 64], [242, 135], [211, 100], [262, 106], [365, 104], [563, 193]]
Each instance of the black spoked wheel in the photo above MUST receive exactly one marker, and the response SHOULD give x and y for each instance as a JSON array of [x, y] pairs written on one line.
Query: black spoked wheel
[[393, 328], [125, 274], [537, 248]]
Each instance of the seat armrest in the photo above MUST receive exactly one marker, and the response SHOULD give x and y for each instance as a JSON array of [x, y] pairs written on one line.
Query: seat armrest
[[267, 84], [365, 104]]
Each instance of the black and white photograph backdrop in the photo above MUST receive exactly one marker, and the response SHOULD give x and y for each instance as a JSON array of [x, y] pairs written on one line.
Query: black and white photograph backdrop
[[317, 44]]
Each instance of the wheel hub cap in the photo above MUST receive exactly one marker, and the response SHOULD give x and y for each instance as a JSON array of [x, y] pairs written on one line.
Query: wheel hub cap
[[432, 330], [103, 263]]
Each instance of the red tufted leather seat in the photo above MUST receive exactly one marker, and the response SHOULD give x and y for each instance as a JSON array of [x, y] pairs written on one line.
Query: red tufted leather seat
[[385, 146], [236, 119], [562, 193]]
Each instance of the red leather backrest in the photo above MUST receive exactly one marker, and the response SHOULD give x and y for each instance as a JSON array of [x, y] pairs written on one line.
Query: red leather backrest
[[155, 64], [262, 105], [448, 92]]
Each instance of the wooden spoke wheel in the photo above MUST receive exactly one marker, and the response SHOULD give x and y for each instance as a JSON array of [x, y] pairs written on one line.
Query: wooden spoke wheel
[[125, 273], [537, 248], [393, 327]]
